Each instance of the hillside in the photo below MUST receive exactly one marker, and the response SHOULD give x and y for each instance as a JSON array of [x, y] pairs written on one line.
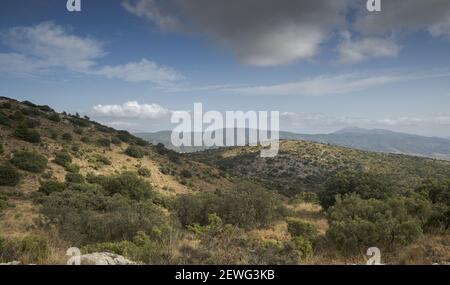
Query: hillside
[[66, 181], [305, 166], [357, 138], [89, 143], [94, 150], [383, 141]]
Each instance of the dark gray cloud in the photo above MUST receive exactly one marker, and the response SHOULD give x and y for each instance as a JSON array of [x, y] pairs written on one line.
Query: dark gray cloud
[[258, 32], [273, 32]]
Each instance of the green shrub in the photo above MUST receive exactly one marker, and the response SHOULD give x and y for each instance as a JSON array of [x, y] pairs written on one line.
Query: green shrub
[[54, 117], [104, 129], [86, 187], [302, 229], [305, 197], [90, 216], [31, 112], [3, 205], [144, 172], [356, 224], [78, 131], [8, 176], [127, 184], [74, 178], [27, 135], [80, 122], [7, 249], [45, 108], [345, 182], [248, 206], [30, 161], [103, 142], [17, 116], [166, 170], [29, 104], [30, 249], [161, 149], [31, 123], [134, 151], [440, 221], [163, 200], [4, 120], [186, 173], [73, 168], [67, 137], [140, 142], [174, 156], [63, 158], [303, 246], [116, 140], [99, 159], [51, 186], [6, 105], [276, 252], [437, 191], [34, 248], [219, 244], [85, 139], [124, 136]]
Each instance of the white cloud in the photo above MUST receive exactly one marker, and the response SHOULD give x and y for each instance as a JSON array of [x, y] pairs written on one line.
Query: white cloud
[[16, 63], [131, 109], [48, 47], [319, 86], [330, 84], [142, 71], [441, 28], [150, 9], [121, 124], [416, 121], [355, 51]]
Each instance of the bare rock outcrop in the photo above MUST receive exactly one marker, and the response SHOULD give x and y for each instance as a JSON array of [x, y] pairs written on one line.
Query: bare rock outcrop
[[104, 258]]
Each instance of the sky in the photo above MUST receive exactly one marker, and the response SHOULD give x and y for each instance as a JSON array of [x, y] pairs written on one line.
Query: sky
[[323, 64]]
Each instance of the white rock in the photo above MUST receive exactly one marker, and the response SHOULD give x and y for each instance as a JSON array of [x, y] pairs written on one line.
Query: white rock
[[104, 258], [11, 263]]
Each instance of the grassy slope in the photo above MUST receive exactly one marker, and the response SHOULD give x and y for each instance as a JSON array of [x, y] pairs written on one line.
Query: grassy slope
[[302, 165], [20, 219]]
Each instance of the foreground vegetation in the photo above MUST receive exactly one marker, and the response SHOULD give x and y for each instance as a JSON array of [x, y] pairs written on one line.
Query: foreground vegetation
[[68, 181]]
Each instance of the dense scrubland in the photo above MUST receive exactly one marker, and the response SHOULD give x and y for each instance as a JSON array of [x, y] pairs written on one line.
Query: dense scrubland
[[66, 181]]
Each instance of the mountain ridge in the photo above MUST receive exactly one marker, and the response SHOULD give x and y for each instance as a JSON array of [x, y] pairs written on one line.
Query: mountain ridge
[[378, 140]]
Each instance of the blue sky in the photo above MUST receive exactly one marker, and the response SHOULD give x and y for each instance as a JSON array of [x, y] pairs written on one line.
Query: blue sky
[[324, 64]]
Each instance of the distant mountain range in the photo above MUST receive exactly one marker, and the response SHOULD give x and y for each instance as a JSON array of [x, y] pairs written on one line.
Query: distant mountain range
[[376, 140]]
